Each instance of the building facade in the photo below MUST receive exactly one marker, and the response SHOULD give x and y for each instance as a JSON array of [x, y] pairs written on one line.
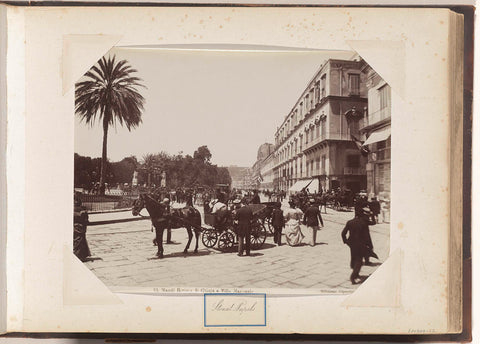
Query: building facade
[[376, 129], [316, 139], [262, 169], [267, 173]]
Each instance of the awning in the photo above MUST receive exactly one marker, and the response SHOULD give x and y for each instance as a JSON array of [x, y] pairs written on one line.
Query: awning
[[378, 136], [310, 184]]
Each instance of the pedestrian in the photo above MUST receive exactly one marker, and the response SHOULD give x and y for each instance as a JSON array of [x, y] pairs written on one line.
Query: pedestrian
[[278, 223], [374, 206], [244, 215], [168, 213], [311, 219], [359, 241], [80, 222], [293, 233], [256, 198]]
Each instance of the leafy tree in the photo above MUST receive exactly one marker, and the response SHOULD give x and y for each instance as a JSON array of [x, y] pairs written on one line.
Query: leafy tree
[[109, 92], [203, 153], [123, 170]]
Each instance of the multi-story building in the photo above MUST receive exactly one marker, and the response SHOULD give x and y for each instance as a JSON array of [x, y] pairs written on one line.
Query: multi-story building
[[314, 144], [376, 128], [262, 169], [237, 174], [267, 173]]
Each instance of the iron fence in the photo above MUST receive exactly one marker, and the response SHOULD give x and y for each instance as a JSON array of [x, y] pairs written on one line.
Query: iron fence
[[108, 202]]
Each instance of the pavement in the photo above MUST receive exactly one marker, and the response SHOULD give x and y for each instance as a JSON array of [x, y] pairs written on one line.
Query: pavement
[[124, 251], [114, 216]]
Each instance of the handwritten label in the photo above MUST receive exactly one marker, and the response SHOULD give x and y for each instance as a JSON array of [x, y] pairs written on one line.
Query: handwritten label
[[234, 310]]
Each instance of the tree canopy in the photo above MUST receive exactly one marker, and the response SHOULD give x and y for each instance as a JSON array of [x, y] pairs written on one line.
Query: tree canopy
[[181, 170]]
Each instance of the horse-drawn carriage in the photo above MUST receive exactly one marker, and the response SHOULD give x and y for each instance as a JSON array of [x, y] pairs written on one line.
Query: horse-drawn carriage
[[222, 229], [188, 217]]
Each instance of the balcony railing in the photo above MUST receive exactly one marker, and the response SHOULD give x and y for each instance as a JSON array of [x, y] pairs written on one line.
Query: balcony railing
[[330, 136], [377, 116], [353, 171]]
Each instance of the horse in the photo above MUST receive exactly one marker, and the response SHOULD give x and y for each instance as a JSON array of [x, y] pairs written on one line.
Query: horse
[[162, 218]]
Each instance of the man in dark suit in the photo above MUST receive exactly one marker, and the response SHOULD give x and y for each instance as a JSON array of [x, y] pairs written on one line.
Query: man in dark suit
[[359, 241], [244, 215], [311, 219], [80, 222], [374, 206], [278, 222], [256, 198]]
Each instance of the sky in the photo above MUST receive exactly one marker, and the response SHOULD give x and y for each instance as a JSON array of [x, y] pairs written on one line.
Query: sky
[[231, 101]]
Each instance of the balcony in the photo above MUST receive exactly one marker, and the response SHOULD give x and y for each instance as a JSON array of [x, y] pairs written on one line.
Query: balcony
[[353, 171], [377, 116]]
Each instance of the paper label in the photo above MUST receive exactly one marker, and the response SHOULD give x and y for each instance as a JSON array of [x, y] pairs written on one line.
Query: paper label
[[234, 310]]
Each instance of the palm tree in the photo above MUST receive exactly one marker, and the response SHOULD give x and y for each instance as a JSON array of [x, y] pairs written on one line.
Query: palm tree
[[108, 91]]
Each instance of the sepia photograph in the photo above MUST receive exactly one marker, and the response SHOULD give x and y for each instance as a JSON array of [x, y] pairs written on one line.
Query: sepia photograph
[[237, 167]]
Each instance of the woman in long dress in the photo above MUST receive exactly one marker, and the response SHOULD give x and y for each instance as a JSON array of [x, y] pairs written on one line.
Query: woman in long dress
[[293, 233]]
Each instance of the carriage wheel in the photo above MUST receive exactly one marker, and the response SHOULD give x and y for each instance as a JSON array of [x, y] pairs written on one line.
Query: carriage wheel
[[226, 241], [258, 235], [209, 238], [267, 223]]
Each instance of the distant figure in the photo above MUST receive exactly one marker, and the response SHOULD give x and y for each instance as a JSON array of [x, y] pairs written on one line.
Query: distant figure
[[166, 201], [256, 198], [244, 215], [359, 241], [80, 222], [311, 220], [374, 206], [278, 223], [293, 233]]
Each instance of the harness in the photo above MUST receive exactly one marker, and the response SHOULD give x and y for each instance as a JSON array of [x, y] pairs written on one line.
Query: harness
[[172, 215]]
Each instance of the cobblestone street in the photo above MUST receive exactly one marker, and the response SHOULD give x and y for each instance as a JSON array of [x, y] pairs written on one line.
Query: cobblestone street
[[125, 250]]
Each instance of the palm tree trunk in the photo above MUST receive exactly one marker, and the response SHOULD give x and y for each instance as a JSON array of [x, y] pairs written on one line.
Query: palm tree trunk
[[103, 170]]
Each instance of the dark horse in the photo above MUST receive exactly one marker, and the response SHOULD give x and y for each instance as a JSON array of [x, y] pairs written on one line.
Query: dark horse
[[162, 218]]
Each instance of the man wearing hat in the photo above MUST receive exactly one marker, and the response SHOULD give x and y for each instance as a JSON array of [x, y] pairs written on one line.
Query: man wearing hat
[[244, 215], [166, 202], [278, 223], [359, 241], [311, 219]]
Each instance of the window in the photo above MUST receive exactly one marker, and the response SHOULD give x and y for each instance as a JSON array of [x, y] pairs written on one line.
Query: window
[[322, 129], [354, 84], [317, 92], [301, 109], [323, 82], [383, 150], [384, 97], [307, 103], [306, 168], [306, 137], [318, 166], [311, 134], [317, 128], [324, 160], [353, 160]]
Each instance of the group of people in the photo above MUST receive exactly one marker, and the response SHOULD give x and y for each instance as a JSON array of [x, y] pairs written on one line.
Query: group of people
[[300, 227]]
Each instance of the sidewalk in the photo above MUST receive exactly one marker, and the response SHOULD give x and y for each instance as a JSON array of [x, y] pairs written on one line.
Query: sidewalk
[[103, 218]]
